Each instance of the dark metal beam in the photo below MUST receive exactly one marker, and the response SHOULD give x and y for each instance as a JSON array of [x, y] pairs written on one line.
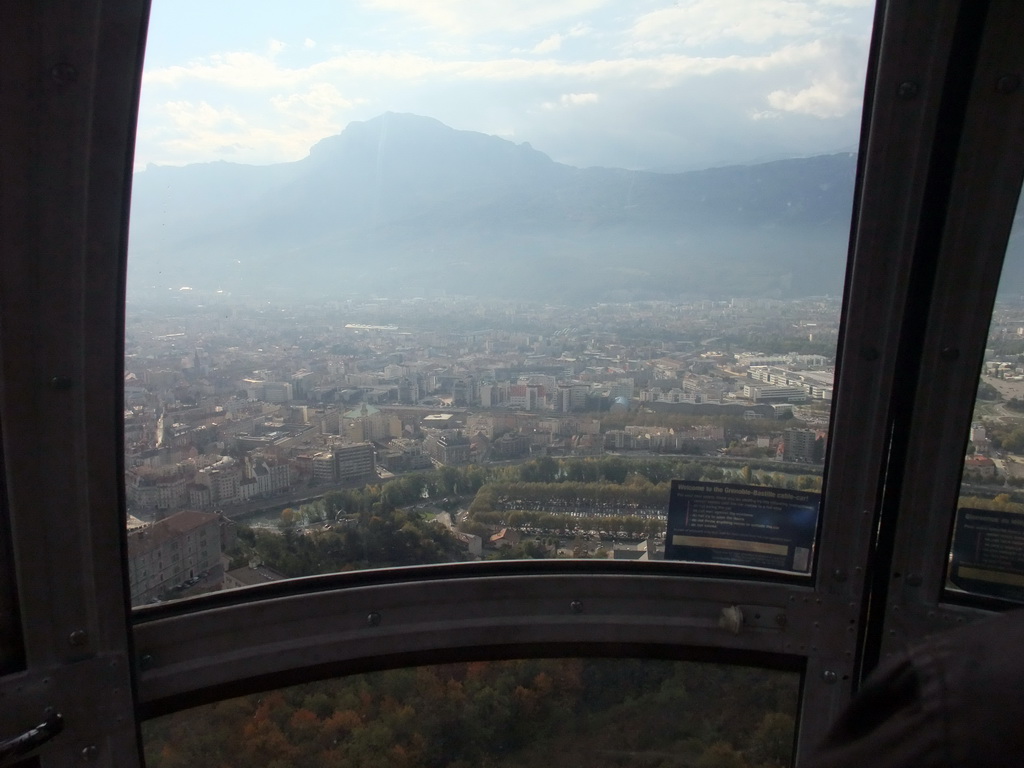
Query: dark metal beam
[[202, 655], [69, 80], [986, 171]]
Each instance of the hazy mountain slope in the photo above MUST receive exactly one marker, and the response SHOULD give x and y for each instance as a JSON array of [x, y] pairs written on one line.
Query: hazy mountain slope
[[405, 205]]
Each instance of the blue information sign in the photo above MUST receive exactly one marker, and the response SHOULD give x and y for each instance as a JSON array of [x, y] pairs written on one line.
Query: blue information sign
[[741, 525], [988, 553]]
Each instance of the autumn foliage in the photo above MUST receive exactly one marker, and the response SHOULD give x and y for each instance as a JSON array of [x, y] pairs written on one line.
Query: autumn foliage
[[528, 713]]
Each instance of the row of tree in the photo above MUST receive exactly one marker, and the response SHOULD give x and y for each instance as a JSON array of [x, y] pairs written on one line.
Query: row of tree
[[1001, 502], [637, 493], [616, 525], [379, 539], [467, 480], [374, 526], [734, 427], [1006, 437]]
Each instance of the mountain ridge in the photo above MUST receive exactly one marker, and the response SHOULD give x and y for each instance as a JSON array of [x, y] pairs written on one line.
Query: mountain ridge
[[405, 203]]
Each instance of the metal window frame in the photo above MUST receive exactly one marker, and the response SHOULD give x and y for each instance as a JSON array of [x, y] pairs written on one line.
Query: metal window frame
[[986, 173], [69, 80], [70, 71]]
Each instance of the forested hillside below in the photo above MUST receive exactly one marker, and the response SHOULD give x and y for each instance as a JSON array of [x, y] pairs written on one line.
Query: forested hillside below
[[590, 713]]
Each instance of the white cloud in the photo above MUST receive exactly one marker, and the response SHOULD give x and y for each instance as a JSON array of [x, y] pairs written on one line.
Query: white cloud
[[554, 42], [233, 70], [549, 44], [253, 71], [202, 132], [318, 99], [571, 100], [792, 82], [702, 22], [201, 116], [280, 111], [198, 131], [468, 17], [577, 99], [826, 97]]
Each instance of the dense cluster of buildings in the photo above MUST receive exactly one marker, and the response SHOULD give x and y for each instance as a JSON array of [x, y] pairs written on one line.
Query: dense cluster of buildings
[[229, 406], [204, 482], [240, 406]]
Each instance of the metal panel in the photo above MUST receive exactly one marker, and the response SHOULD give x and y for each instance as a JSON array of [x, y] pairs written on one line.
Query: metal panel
[[983, 199], [70, 690], [12, 651], [258, 643], [913, 43], [70, 73]]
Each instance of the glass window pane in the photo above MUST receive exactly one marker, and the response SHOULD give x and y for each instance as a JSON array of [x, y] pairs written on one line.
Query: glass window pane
[[586, 712], [410, 286], [987, 552]]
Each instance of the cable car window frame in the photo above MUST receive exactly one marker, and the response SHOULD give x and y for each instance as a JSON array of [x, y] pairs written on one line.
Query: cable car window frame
[[985, 177], [71, 75]]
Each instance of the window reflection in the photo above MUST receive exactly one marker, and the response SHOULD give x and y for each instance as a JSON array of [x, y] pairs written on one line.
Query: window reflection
[[586, 712]]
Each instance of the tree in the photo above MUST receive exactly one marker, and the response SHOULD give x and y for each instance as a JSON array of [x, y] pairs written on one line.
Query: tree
[[721, 755], [547, 469], [614, 470], [772, 742]]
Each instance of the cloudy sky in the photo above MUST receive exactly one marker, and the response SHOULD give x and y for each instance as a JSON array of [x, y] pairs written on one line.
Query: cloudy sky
[[659, 84]]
